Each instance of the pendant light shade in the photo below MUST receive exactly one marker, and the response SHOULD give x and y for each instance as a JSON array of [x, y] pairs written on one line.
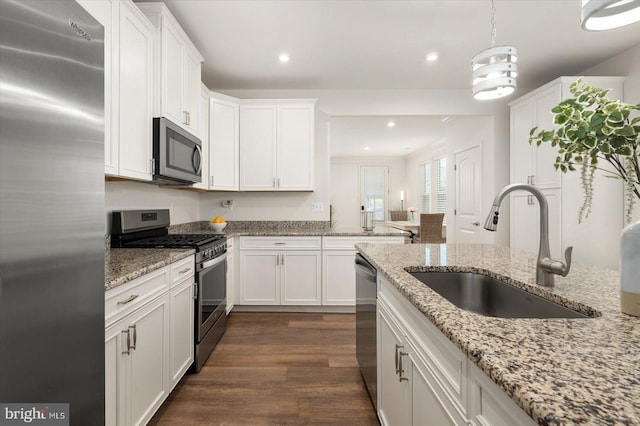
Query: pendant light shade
[[601, 15], [494, 72]]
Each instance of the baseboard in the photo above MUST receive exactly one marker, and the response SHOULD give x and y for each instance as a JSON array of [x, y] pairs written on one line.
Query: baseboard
[[294, 308]]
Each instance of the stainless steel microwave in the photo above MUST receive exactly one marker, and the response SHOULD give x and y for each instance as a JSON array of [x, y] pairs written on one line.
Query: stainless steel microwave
[[177, 154]]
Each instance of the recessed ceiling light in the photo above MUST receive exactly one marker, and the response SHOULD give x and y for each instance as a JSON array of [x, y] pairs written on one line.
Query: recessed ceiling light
[[407, 148], [391, 124], [366, 148], [283, 57], [432, 56]]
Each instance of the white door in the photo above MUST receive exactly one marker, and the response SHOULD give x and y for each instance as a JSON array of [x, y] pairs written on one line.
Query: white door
[[338, 277], [181, 330], [172, 74], [258, 147], [468, 215], [225, 145], [259, 278], [374, 188], [191, 90], [295, 148]]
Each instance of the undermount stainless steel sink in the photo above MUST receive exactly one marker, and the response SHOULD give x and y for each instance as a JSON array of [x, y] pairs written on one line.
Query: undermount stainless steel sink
[[490, 297]]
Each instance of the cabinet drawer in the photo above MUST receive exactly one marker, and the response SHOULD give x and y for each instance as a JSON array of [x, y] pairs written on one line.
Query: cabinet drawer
[[280, 243], [182, 269], [348, 243], [122, 300]]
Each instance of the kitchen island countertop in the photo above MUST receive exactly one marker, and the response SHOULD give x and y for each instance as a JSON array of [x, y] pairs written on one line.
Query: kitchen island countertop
[[125, 264], [560, 371]]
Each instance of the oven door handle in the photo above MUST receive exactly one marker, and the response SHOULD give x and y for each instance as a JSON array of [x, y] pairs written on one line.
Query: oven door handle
[[213, 262]]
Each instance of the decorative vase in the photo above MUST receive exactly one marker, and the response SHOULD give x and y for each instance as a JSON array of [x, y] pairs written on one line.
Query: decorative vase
[[630, 269], [412, 217]]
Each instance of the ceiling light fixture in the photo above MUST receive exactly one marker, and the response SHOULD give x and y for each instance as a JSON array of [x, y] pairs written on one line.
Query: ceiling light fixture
[[494, 69], [432, 56], [600, 15], [391, 124], [283, 57]]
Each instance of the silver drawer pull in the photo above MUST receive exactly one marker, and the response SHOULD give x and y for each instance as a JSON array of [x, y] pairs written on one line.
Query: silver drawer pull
[[280, 244], [184, 271], [128, 299], [127, 352], [135, 336]]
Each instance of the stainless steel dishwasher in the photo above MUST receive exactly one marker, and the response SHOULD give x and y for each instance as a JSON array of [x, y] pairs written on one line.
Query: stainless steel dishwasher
[[366, 294]]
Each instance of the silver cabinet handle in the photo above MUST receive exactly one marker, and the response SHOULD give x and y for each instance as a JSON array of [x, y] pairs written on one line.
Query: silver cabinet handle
[[402, 379], [211, 181], [184, 271], [184, 117], [128, 342], [188, 118], [282, 262], [135, 336], [277, 182], [396, 357], [475, 223], [274, 183], [279, 243], [195, 291], [530, 200], [128, 299]]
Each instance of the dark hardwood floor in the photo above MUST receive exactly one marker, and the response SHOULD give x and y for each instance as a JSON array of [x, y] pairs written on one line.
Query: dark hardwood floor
[[276, 368]]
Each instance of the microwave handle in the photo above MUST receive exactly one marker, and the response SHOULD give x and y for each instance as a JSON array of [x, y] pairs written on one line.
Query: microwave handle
[[199, 150]]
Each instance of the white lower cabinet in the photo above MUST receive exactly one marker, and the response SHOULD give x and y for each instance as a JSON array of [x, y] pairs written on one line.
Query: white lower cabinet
[[424, 379], [182, 329], [148, 342], [280, 271], [338, 273]]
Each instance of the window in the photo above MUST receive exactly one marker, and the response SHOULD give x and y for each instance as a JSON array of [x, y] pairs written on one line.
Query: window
[[425, 179], [373, 184], [433, 186]]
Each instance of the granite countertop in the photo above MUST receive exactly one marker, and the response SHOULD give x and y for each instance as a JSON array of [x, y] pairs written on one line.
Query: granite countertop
[[261, 231], [124, 265], [560, 371]]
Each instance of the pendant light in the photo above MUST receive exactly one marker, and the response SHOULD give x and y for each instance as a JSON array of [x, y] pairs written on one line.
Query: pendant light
[[494, 69], [600, 15]]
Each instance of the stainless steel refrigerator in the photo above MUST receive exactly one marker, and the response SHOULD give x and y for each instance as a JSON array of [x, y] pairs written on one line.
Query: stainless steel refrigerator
[[52, 219]]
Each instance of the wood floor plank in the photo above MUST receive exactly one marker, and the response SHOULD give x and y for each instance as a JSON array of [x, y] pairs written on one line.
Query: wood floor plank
[[276, 369]]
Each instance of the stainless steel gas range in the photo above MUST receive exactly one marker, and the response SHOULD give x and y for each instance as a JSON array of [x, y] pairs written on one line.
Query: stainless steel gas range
[[150, 229]]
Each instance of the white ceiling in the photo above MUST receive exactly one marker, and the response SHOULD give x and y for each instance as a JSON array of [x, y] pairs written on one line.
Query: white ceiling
[[339, 44], [350, 135]]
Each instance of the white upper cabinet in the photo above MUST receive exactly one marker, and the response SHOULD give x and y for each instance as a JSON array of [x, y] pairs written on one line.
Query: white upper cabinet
[[203, 121], [178, 69], [129, 43], [277, 145], [224, 143]]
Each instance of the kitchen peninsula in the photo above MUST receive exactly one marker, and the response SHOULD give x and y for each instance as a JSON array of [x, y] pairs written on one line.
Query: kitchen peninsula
[[559, 371]]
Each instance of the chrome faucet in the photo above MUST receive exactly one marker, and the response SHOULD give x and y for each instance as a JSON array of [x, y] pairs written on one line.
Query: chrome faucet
[[545, 267]]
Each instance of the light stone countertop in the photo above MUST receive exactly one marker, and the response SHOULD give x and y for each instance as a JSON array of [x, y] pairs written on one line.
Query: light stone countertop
[[560, 371], [125, 264]]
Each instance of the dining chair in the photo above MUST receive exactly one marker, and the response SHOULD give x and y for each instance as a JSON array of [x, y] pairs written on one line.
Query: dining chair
[[431, 228], [398, 215]]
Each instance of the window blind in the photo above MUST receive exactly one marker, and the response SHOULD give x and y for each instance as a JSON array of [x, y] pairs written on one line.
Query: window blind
[[425, 206], [441, 185]]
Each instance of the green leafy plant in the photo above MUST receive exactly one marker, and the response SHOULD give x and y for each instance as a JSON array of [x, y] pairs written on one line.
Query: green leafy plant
[[592, 129]]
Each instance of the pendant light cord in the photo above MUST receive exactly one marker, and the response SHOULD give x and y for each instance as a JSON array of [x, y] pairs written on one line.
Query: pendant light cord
[[493, 23]]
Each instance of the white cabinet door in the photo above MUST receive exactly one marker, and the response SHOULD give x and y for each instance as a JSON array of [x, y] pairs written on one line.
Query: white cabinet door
[[259, 278], [300, 277], [172, 74], [428, 399], [258, 147], [224, 154], [522, 160], [148, 359], [544, 172], [525, 211], [114, 374], [191, 89], [231, 276], [394, 398], [295, 147], [338, 277], [135, 93], [106, 12], [181, 331]]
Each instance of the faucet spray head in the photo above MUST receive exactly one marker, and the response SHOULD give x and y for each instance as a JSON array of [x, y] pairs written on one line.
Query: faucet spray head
[[491, 224]]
